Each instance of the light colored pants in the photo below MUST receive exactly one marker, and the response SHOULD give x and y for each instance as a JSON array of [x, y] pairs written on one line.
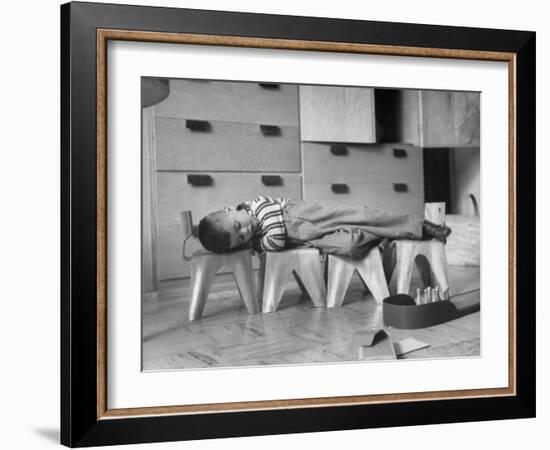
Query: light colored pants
[[345, 230]]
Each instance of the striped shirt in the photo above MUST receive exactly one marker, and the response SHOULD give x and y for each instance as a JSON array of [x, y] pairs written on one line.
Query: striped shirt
[[271, 232]]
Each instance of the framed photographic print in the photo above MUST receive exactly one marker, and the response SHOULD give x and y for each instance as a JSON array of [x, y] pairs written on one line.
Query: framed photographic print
[[278, 224]]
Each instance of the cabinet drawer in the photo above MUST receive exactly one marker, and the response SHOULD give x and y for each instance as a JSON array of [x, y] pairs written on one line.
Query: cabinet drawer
[[174, 193], [231, 101], [325, 163], [225, 146], [380, 196]]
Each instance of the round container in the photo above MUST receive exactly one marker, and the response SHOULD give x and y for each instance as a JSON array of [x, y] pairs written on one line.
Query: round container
[[401, 311]]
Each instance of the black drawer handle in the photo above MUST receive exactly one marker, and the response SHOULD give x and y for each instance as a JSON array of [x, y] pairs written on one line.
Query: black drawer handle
[[272, 180], [339, 150], [200, 180], [400, 187], [340, 188], [270, 130], [399, 153], [270, 86], [198, 125]]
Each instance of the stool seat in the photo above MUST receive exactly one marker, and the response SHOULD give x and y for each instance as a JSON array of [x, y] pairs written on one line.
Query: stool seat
[[402, 256], [341, 269], [276, 268], [205, 265]]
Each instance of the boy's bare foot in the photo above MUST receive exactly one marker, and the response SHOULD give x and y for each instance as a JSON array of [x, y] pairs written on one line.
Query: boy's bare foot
[[433, 231]]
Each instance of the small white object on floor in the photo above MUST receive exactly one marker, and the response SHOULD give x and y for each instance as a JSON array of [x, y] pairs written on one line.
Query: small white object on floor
[[408, 345]]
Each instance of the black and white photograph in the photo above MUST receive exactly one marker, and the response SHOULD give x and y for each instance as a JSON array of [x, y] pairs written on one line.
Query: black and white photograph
[[289, 224]]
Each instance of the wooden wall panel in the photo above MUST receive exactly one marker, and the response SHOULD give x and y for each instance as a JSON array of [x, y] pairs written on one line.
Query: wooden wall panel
[[450, 119], [465, 165], [149, 276], [337, 114]]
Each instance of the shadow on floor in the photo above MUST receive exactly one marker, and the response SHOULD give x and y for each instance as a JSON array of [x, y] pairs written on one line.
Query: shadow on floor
[[50, 434]]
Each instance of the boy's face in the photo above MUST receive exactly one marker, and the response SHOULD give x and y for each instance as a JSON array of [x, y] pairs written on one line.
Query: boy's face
[[240, 225]]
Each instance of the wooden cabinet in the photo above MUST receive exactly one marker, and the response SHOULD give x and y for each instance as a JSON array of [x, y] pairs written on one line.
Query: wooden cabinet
[[422, 118], [211, 144], [429, 118], [343, 162], [337, 114]]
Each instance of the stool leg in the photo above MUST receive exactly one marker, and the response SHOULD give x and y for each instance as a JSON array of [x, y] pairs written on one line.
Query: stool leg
[[404, 267], [424, 267], [438, 263], [203, 275], [309, 271], [372, 273], [242, 272], [339, 276], [303, 289], [275, 279], [389, 257], [261, 278]]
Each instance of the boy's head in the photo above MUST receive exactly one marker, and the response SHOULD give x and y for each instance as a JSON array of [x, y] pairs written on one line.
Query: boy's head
[[226, 229]]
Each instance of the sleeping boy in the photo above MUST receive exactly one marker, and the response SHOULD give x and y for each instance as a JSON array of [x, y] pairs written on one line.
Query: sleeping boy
[[273, 224]]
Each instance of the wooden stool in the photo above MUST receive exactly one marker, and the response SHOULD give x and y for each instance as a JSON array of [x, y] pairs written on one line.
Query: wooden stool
[[276, 268], [205, 265], [341, 269], [402, 257]]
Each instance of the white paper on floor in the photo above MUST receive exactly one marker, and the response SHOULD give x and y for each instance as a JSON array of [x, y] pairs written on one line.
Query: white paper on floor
[[408, 345]]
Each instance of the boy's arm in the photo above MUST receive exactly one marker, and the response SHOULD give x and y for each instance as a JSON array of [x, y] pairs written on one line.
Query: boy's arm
[[272, 243], [278, 200], [351, 242], [268, 243]]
